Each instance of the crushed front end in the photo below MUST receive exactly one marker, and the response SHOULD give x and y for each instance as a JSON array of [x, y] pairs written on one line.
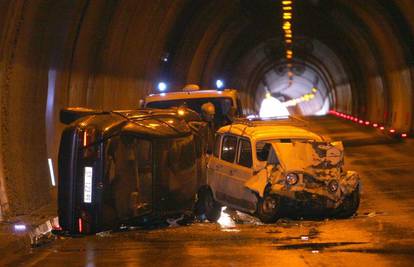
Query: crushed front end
[[310, 175]]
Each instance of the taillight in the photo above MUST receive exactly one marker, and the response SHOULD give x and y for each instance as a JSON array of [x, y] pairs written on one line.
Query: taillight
[[87, 139]]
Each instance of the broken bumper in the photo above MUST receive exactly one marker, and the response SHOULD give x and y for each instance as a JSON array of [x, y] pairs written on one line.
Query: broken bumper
[[310, 191]]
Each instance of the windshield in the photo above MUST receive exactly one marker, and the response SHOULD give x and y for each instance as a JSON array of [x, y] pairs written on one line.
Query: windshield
[[222, 106]]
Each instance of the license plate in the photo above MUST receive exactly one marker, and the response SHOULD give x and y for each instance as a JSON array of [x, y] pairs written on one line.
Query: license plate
[[87, 186]]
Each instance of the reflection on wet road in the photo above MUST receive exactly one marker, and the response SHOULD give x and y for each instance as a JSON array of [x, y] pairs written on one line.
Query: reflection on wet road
[[382, 234]]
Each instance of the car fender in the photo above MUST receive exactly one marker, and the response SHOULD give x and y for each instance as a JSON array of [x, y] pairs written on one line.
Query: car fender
[[258, 182]]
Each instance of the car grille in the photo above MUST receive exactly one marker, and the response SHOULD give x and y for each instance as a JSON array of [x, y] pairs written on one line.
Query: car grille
[[312, 182]]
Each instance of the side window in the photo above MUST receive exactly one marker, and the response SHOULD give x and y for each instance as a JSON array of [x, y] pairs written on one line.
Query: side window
[[228, 150], [216, 150], [245, 153]]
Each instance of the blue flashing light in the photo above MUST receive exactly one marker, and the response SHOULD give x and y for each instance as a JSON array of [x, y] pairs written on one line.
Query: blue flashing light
[[219, 84], [162, 86]]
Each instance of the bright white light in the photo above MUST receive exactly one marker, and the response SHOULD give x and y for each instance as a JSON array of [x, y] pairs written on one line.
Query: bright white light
[[20, 227], [219, 84], [162, 86], [271, 107], [52, 173], [225, 220]]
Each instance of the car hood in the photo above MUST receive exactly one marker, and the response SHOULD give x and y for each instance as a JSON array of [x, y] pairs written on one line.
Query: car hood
[[309, 156]]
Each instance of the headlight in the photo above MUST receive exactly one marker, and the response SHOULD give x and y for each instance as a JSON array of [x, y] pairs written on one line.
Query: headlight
[[333, 186], [291, 178]]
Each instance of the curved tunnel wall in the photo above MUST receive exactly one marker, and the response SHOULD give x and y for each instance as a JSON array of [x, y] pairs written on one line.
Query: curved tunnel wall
[[108, 54]]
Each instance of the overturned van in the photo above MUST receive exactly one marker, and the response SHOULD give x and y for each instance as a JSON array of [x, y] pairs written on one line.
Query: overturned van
[[272, 169], [127, 167]]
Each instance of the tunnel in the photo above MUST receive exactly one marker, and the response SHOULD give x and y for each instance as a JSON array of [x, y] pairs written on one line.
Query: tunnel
[[355, 57]]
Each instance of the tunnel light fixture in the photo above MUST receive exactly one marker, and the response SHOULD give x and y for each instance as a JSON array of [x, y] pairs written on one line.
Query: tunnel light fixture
[[19, 227], [404, 135], [392, 130], [162, 86], [287, 16], [52, 173], [382, 128]]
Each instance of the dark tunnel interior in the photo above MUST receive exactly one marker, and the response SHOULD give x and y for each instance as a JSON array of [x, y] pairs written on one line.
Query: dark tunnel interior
[[358, 56]]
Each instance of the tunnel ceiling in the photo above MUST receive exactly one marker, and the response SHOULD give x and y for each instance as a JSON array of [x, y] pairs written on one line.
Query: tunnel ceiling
[[108, 54]]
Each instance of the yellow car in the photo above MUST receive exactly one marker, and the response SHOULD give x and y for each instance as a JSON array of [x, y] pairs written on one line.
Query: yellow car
[[272, 168]]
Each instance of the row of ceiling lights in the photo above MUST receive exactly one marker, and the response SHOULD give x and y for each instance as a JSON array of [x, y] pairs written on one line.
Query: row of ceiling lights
[[287, 11], [303, 98], [368, 123]]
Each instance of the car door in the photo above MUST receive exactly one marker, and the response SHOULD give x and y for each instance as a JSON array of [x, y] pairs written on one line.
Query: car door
[[239, 172], [219, 167]]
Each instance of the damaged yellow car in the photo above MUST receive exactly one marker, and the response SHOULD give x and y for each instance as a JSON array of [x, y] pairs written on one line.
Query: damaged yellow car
[[273, 169]]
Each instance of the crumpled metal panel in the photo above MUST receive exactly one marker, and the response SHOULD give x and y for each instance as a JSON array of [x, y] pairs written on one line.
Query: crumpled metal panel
[[315, 163]]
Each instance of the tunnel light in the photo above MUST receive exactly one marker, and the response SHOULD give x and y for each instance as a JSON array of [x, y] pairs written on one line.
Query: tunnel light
[[162, 86], [286, 3], [314, 90], [19, 227], [404, 135], [52, 173], [375, 125], [287, 25], [219, 84], [288, 41], [392, 131], [272, 107], [382, 128], [367, 123], [286, 8], [361, 122]]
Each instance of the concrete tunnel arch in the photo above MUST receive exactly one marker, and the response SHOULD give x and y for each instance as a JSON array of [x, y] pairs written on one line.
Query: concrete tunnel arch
[[108, 54]]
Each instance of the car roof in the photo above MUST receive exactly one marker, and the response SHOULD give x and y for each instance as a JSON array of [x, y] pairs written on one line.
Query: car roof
[[191, 95], [269, 131]]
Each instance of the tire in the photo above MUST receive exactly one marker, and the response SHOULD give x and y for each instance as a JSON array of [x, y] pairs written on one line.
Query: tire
[[207, 205], [269, 208], [349, 205]]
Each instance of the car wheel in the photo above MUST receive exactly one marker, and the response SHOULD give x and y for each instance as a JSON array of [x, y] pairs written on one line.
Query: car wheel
[[268, 209], [349, 205], [208, 206]]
